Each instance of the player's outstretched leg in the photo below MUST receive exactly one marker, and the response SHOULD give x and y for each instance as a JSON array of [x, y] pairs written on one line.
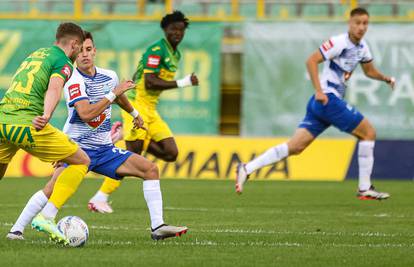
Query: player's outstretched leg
[[33, 207], [65, 186], [99, 202], [366, 133], [272, 155], [139, 166], [300, 140]]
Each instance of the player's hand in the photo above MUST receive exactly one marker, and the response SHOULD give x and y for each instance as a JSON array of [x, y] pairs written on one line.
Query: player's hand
[[194, 79], [390, 81], [123, 87], [321, 97], [139, 123], [39, 122]]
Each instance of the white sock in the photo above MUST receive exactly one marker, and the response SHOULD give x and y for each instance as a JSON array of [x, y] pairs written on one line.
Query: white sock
[[100, 197], [365, 162], [32, 208], [49, 211], [272, 155], [153, 197]]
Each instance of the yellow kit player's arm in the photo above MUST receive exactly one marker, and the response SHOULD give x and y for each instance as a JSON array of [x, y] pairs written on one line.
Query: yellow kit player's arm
[[52, 97]]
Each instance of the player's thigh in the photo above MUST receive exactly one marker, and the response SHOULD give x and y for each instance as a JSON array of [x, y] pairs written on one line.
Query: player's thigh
[[7, 152], [138, 166], [300, 140], [51, 145], [78, 158], [342, 115], [135, 146], [364, 130], [313, 121], [159, 129]]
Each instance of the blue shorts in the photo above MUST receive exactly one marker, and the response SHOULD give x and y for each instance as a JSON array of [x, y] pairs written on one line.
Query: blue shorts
[[337, 113], [106, 160]]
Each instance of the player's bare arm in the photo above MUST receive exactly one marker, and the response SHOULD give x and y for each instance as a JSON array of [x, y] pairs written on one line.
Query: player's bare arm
[[124, 103], [372, 72], [52, 98], [153, 82], [88, 112], [312, 65]]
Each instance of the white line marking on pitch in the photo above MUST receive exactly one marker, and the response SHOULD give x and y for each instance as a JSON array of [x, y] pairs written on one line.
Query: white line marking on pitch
[[249, 231]]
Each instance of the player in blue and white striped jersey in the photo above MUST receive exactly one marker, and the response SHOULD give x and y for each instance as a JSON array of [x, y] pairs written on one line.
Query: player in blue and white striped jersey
[[89, 94], [341, 55]]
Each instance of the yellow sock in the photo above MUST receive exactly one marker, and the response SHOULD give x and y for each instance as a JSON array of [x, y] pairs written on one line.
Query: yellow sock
[[67, 183], [109, 185]]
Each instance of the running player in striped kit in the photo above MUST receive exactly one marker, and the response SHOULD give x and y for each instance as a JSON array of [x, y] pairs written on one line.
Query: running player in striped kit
[[341, 55]]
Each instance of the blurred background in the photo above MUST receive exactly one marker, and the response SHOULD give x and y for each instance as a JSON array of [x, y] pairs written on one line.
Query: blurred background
[[250, 58]]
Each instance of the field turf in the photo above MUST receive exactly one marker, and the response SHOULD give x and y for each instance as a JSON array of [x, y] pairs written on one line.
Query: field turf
[[271, 224]]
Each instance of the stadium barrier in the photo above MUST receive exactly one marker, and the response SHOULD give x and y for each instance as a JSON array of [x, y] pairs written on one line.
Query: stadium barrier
[[217, 157]]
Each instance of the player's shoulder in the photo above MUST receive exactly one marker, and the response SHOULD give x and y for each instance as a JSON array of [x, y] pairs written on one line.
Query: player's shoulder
[[76, 78], [112, 74], [156, 47], [339, 39]]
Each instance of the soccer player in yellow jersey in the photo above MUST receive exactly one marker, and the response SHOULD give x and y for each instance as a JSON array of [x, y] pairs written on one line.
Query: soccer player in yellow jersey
[[155, 73], [25, 111]]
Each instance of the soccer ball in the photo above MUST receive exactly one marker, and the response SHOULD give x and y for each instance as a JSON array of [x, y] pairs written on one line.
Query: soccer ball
[[75, 230]]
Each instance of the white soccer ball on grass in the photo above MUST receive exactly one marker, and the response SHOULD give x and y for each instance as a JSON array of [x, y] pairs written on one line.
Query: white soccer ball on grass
[[75, 230]]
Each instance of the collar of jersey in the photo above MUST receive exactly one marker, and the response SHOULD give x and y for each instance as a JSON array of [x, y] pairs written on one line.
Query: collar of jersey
[[86, 75], [170, 48], [359, 45]]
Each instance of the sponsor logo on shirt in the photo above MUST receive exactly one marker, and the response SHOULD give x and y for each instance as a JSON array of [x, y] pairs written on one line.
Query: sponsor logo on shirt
[[66, 71], [327, 45], [153, 61], [95, 123], [74, 91]]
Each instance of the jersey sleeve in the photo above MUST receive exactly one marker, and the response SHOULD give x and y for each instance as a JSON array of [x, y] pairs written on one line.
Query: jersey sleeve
[[63, 69], [116, 79], [74, 90], [152, 59], [366, 56], [332, 48]]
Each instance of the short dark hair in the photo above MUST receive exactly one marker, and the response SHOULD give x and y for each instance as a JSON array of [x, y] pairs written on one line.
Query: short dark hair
[[359, 11], [176, 16], [66, 29], [88, 35]]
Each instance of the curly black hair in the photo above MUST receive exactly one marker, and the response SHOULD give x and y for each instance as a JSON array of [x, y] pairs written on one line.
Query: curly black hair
[[176, 16]]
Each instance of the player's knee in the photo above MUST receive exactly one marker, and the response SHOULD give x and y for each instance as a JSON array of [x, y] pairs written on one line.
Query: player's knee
[[84, 159], [296, 150], [152, 173], [171, 157], [370, 134]]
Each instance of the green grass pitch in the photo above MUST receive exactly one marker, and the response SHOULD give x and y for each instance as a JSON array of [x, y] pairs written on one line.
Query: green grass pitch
[[271, 224]]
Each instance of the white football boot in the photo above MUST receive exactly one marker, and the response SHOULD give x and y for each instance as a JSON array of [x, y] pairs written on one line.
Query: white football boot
[[16, 235], [165, 231], [241, 177], [371, 193], [100, 206]]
